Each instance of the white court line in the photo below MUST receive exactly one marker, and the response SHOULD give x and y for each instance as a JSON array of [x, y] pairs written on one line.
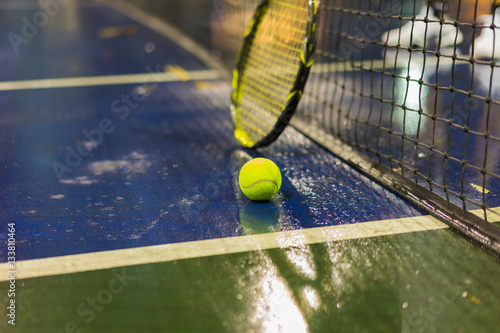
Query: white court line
[[142, 78], [179, 251], [212, 247], [169, 31]]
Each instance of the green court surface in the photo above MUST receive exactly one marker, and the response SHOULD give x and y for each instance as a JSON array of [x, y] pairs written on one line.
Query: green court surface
[[432, 281]]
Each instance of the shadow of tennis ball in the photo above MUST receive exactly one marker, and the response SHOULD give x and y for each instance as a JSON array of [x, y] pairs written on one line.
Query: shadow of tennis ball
[[260, 217]]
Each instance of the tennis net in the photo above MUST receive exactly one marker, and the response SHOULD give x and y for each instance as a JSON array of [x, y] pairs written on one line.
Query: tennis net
[[408, 92]]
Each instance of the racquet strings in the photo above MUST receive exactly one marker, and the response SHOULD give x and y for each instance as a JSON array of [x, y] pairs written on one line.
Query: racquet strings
[[271, 67]]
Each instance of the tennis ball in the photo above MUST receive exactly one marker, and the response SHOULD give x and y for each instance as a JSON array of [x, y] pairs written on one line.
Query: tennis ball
[[260, 179]]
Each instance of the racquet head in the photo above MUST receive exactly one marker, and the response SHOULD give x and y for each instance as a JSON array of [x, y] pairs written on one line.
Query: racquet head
[[272, 69]]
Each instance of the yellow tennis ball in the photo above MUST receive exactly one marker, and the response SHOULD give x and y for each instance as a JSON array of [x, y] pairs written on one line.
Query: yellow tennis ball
[[260, 179]]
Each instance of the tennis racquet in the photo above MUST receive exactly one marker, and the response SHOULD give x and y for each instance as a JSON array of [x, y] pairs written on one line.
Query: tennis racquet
[[272, 69]]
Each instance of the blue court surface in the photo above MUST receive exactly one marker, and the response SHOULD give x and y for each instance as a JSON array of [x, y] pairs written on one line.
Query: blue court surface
[[117, 150], [125, 165]]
